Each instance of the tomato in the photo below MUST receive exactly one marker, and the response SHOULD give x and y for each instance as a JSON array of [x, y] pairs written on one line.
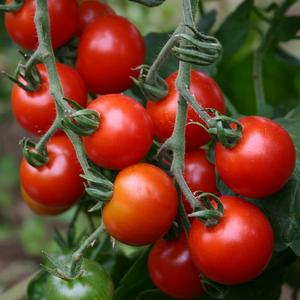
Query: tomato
[[89, 9], [40, 209], [95, 283], [36, 110], [124, 135], [261, 163], [238, 248], [57, 184], [21, 28], [199, 175], [116, 48], [172, 271], [143, 206], [163, 113]]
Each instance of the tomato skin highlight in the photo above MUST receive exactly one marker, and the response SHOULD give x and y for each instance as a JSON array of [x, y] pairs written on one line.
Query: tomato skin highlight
[[163, 113], [89, 9], [143, 206], [112, 65], [57, 184], [261, 163], [36, 110], [21, 28], [124, 135], [238, 248], [95, 283], [172, 271]]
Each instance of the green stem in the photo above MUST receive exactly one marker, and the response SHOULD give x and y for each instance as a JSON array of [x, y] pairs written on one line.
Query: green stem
[[12, 7]]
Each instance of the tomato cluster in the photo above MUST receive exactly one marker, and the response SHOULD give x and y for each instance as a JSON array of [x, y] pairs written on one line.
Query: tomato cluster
[[145, 199]]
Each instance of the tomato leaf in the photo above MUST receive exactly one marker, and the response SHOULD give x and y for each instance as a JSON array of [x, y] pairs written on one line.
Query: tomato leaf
[[153, 294], [37, 286], [233, 33], [287, 28], [206, 21], [286, 57]]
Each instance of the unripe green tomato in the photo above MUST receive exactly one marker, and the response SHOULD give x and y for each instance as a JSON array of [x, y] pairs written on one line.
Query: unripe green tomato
[[95, 283]]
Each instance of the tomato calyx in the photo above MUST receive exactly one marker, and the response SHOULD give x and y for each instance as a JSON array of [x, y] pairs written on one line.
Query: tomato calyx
[[62, 270], [149, 3], [154, 88], [215, 290], [172, 233], [81, 121], [198, 48], [35, 159], [207, 213], [14, 6]]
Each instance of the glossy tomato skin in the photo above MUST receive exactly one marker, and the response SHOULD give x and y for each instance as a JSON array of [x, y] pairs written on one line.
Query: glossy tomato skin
[[199, 175], [95, 283], [117, 47], [261, 163], [238, 248], [40, 209], [172, 271], [89, 9], [124, 135], [163, 113], [143, 206], [21, 28], [36, 110], [57, 184]]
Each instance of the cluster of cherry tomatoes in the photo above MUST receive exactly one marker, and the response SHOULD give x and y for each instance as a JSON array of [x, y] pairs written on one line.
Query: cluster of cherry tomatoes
[[145, 200]]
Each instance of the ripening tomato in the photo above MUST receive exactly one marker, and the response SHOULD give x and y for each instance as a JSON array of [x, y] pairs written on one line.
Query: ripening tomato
[[124, 135], [89, 9], [40, 209], [172, 271], [36, 110], [57, 184], [235, 250], [199, 175], [261, 163], [163, 113], [94, 284], [21, 28], [143, 206], [108, 51]]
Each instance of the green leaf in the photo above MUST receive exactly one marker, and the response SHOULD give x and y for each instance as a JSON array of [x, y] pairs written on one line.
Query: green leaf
[[153, 294], [206, 21], [286, 57], [287, 28], [37, 286], [266, 111], [233, 33]]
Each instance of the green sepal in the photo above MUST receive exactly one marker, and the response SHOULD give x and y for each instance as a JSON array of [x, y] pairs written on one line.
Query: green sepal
[[218, 291], [61, 270], [98, 181], [149, 3], [76, 265], [14, 6], [97, 207], [100, 195]]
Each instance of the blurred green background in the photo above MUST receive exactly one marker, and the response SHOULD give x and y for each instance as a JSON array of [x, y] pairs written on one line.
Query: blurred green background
[[23, 235]]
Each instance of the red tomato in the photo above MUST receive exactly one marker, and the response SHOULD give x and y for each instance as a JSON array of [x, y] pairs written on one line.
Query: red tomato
[[172, 271], [116, 48], [163, 113], [64, 20], [143, 206], [57, 184], [36, 110], [199, 175], [238, 248], [124, 135], [40, 209], [261, 163], [89, 9]]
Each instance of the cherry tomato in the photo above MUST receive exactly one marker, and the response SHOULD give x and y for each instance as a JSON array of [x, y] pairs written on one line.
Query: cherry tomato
[[143, 205], [40, 209], [199, 175], [95, 283], [36, 110], [172, 271], [261, 163], [116, 48], [163, 113], [21, 28], [124, 135], [238, 248], [57, 184], [89, 9]]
